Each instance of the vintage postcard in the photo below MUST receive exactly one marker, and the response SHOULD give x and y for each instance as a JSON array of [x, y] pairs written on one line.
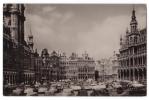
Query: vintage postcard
[[74, 49]]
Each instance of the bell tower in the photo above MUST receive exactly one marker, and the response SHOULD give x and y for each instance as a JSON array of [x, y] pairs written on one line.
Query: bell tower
[[17, 21]]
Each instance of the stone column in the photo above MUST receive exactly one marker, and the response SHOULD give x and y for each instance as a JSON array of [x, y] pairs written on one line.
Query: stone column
[[129, 74], [123, 75], [8, 78], [137, 61], [133, 62], [140, 61], [138, 74], [119, 75], [133, 75], [142, 74], [12, 78], [28, 78], [25, 78]]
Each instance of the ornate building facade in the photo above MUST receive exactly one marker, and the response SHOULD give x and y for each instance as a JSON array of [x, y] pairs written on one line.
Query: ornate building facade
[[50, 69], [80, 68], [38, 66], [57, 67], [64, 64], [18, 55], [133, 53], [107, 68], [115, 66]]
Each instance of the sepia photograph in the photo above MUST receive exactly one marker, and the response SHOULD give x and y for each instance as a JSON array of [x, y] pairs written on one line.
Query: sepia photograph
[[74, 49]]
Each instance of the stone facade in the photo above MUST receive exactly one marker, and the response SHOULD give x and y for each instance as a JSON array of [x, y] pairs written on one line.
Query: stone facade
[[18, 55], [81, 68], [133, 53], [58, 67], [50, 69], [115, 66], [64, 65]]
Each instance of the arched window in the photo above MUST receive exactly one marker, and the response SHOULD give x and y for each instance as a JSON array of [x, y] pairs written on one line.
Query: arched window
[[130, 39], [135, 39]]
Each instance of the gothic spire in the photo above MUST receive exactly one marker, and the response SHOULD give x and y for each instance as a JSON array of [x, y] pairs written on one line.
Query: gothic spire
[[30, 34], [133, 15], [133, 22], [30, 39]]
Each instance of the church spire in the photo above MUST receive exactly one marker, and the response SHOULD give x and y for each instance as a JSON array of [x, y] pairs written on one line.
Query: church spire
[[133, 15], [36, 53], [30, 35], [30, 40], [133, 23]]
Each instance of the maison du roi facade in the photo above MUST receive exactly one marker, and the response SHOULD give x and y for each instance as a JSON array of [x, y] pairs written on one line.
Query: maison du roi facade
[[22, 64], [133, 53]]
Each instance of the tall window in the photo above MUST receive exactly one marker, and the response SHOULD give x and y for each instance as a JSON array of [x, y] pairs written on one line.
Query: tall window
[[130, 40], [135, 39]]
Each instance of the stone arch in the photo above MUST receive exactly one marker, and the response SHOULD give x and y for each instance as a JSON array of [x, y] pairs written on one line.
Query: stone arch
[[136, 74], [127, 71], [125, 74], [122, 74], [140, 74], [131, 74], [131, 62], [139, 61], [25, 78], [144, 73], [11, 81], [119, 74]]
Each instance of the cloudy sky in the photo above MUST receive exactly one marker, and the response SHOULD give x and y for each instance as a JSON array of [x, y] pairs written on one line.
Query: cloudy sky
[[69, 28]]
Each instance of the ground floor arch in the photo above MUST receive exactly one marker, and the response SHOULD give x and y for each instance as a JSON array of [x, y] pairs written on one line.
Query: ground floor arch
[[132, 74]]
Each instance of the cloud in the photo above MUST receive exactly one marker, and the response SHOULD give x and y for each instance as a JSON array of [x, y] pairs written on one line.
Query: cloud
[[141, 17], [103, 38], [69, 32], [67, 16], [45, 30], [56, 15], [48, 9]]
